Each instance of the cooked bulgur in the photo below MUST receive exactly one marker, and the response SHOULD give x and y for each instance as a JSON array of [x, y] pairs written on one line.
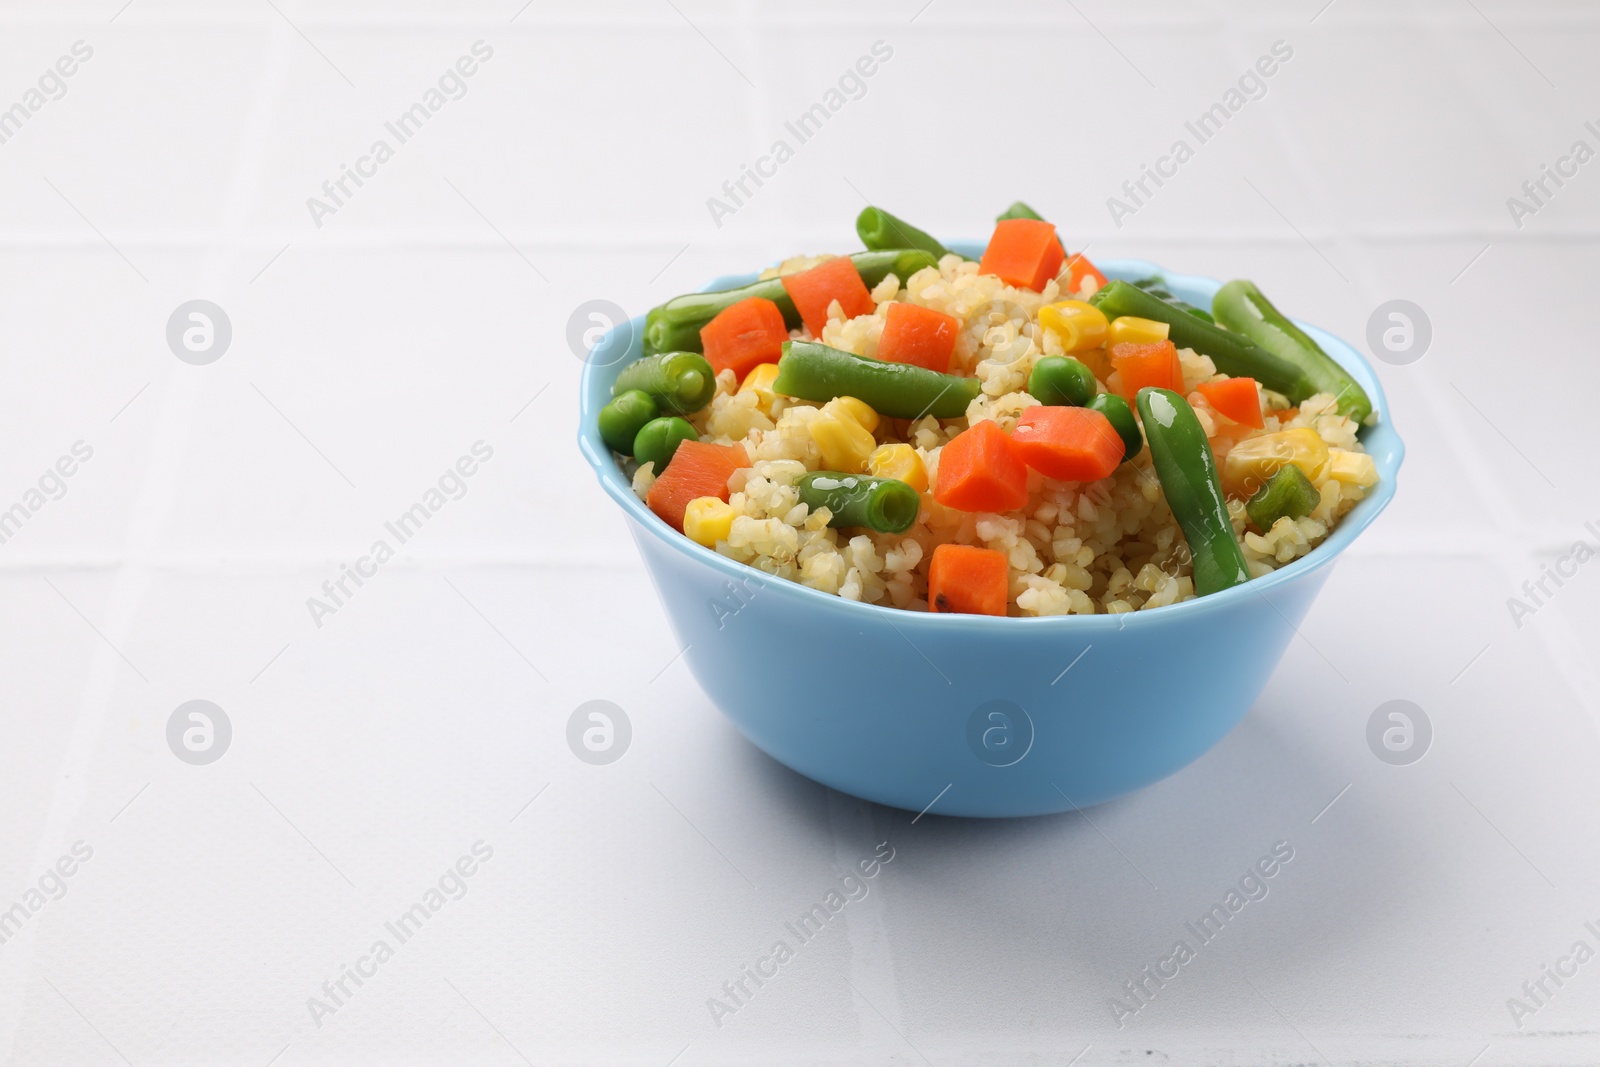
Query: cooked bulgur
[[1106, 546]]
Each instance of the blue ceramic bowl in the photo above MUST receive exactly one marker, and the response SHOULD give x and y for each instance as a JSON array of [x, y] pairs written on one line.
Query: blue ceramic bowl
[[974, 715]]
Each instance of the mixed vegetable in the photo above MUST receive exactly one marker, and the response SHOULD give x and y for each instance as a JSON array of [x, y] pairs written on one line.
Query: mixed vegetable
[[1115, 390]]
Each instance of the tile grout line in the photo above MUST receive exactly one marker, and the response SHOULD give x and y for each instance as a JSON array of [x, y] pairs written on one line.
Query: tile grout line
[[1513, 551], [129, 588], [1506, 542], [388, 238], [1543, 17], [878, 973]]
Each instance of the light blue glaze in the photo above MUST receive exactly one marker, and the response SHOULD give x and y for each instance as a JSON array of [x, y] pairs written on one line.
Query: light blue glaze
[[880, 703]]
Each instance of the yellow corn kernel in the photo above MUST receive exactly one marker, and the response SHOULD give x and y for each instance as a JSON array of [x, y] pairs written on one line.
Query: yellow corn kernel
[[759, 381], [859, 410], [1352, 468], [1255, 459], [844, 442], [900, 462], [707, 520], [1078, 325], [1130, 329]]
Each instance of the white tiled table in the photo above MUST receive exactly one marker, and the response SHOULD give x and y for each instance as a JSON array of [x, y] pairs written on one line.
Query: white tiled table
[[430, 312]]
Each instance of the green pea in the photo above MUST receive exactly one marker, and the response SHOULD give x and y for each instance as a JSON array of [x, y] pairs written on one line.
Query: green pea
[[623, 418], [659, 439], [1061, 380], [1120, 414]]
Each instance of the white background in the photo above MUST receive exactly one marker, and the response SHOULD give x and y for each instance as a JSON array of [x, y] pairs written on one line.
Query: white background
[[431, 312]]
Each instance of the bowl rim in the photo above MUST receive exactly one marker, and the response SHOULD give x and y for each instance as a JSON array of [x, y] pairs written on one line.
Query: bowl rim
[[594, 389]]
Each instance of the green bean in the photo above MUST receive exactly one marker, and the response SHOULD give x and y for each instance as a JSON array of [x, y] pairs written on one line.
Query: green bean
[[813, 371], [1120, 414], [1288, 492], [1061, 380], [1241, 307], [882, 504], [1187, 468], [658, 440], [1156, 286], [1019, 210], [675, 325], [880, 230], [623, 418], [665, 336], [1233, 353], [679, 382]]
